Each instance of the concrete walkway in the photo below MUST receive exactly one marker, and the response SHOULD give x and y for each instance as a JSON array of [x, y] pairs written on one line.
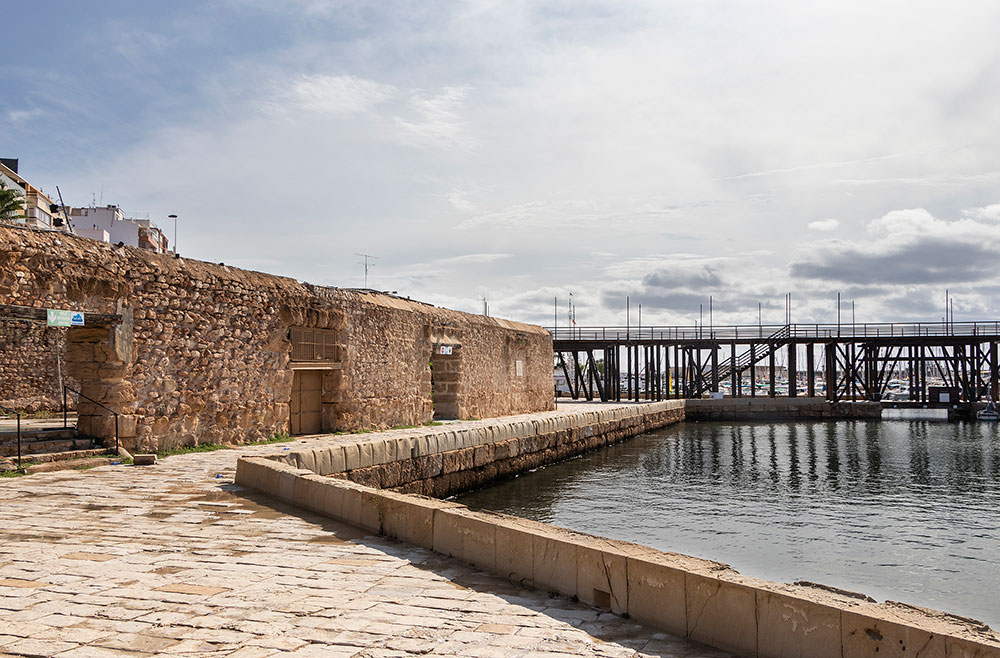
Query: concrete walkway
[[176, 560]]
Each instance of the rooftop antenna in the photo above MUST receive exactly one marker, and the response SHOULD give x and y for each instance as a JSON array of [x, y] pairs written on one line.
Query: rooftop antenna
[[368, 264], [102, 195], [62, 204]]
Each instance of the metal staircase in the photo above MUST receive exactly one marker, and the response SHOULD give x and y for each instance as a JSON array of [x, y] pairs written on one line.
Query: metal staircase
[[748, 359]]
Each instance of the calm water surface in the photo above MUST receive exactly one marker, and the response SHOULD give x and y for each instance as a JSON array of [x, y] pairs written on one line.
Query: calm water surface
[[907, 510]]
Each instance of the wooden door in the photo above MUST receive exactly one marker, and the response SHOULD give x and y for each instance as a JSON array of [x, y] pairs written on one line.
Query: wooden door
[[307, 402]]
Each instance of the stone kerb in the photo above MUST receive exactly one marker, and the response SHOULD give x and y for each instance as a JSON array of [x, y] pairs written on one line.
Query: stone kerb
[[702, 600], [333, 457]]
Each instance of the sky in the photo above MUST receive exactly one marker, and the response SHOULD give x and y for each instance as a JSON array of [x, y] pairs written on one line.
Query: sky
[[665, 152]]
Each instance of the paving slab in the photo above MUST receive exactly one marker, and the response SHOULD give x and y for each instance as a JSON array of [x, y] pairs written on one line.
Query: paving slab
[[174, 559]]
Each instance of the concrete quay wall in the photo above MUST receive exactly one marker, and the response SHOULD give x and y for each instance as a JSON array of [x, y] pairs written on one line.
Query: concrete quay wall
[[442, 462], [702, 600], [765, 408], [706, 601]]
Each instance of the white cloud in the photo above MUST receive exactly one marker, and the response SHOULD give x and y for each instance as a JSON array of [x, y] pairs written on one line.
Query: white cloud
[[436, 120], [910, 247], [590, 145], [824, 225], [339, 94]]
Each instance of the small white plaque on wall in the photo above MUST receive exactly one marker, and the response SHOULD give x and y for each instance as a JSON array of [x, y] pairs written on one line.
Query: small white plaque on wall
[[519, 368], [445, 349]]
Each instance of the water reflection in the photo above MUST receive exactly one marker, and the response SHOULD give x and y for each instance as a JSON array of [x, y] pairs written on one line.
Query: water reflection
[[900, 509]]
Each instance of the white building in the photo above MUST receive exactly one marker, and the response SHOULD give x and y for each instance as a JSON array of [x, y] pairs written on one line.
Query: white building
[[109, 224]]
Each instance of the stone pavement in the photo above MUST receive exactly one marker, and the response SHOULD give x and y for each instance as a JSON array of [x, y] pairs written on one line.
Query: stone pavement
[[176, 560]]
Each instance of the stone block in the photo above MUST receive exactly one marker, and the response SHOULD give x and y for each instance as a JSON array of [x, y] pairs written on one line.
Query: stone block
[[389, 475], [127, 424], [330, 459], [379, 452], [482, 455], [308, 492], [791, 626], [479, 541], [331, 503], [448, 534], [722, 614], [404, 448], [305, 459], [411, 518], [365, 454], [554, 562], [350, 504], [144, 460], [447, 441], [286, 486], [352, 457], [602, 576], [656, 592], [868, 635], [956, 647]]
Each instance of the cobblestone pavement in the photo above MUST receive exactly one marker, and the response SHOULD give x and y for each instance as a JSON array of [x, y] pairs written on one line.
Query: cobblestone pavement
[[176, 560]]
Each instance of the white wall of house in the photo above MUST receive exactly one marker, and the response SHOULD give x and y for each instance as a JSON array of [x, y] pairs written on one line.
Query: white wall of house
[[110, 219]]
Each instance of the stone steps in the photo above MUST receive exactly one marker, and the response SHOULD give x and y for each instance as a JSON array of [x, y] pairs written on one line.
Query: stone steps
[[69, 464], [49, 457], [43, 442], [32, 435]]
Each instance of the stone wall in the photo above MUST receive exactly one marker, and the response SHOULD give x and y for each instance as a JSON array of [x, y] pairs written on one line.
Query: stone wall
[[780, 408], [203, 352], [443, 462], [32, 366]]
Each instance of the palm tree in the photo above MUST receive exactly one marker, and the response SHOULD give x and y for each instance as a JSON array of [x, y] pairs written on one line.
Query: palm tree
[[11, 203]]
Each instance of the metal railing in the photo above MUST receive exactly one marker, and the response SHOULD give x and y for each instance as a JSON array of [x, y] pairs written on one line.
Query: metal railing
[[764, 331], [92, 400], [8, 410]]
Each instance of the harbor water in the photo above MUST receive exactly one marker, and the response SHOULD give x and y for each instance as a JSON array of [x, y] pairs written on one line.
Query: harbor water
[[903, 509]]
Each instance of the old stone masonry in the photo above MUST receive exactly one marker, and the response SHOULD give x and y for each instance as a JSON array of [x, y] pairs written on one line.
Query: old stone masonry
[[194, 352]]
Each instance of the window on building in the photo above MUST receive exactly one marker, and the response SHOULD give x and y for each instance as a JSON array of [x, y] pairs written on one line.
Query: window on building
[[313, 344]]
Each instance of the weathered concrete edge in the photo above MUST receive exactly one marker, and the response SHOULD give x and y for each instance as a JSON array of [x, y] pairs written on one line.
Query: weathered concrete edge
[[336, 457], [705, 601]]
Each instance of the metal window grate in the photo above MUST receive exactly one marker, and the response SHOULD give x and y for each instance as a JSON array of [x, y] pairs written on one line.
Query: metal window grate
[[313, 344]]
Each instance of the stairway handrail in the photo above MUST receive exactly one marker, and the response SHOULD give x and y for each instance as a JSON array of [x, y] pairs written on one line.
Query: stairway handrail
[[87, 397]]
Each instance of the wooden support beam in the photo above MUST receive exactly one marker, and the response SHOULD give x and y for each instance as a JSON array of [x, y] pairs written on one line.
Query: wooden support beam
[[32, 314]]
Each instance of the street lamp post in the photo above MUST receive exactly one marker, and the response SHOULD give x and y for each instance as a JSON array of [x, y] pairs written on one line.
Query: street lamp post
[[174, 217]]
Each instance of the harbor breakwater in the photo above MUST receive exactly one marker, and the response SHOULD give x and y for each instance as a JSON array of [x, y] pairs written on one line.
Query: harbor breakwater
[[352, 479]]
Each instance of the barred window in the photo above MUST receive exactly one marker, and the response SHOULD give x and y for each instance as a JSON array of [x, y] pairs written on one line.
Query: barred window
[[313, 344]]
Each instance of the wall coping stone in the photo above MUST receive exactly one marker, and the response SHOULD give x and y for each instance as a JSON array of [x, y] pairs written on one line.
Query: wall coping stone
[[704, 600]]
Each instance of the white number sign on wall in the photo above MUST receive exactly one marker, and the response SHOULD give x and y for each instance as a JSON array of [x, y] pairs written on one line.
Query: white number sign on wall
[[444, 349]]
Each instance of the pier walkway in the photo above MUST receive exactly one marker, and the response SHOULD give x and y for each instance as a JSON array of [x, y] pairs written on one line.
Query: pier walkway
[[925, 364], [174, 559]]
